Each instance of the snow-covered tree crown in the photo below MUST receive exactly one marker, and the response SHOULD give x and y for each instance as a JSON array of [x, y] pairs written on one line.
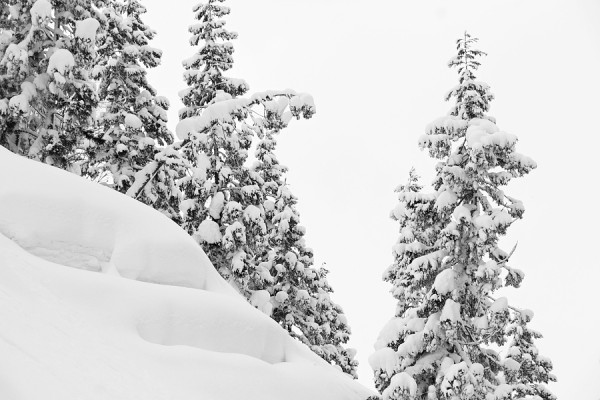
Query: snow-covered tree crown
[[204, 70], [451, 337], [472, 97], [245, 217]]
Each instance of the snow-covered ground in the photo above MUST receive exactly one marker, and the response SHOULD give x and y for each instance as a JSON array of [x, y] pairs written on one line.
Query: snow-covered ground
[[103, 298]]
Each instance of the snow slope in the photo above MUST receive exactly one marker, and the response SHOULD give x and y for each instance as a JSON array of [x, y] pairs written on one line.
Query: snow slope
[[73, 327]]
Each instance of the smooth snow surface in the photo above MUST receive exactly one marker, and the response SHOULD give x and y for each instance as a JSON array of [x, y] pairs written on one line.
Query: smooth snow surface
[[72, 326]]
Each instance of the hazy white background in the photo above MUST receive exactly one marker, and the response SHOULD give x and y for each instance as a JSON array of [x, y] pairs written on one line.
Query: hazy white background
[[377, 70]]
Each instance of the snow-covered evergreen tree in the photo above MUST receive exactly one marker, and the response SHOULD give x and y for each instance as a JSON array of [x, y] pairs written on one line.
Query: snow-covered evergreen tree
[[452, 337], [51, 98], [237, 213], [222, 205], [132, 119], [299, 293]]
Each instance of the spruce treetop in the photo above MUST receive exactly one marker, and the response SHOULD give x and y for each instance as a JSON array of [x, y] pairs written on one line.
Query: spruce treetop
[[472, 97], [204, 70]]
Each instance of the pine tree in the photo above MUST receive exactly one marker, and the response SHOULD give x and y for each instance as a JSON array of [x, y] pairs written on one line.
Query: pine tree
[[238, 213], [51, 99], [222, 199], [451, 338], [299, 293], [132, 119]]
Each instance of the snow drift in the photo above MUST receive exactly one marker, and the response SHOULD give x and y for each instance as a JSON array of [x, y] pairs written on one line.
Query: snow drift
[[72, 326]]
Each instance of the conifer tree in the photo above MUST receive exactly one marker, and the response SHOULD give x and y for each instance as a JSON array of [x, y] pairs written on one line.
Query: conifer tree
[[222, 199], [452, 337], [238, 213], [51, 98], [132, 119]]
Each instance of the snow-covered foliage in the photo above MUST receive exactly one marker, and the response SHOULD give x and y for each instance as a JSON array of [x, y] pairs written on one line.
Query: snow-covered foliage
[[451, 338], [46, 54], [220, 187], [204, 70], [132, 118], [300, 293], [244, 217], [216, 139], [74, 93], [103, 298]]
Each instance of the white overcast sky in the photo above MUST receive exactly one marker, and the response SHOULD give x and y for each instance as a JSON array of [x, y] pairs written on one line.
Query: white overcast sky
[[377, 70]]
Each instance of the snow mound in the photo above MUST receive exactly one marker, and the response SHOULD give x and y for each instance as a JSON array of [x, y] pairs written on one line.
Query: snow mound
[[174, 330]]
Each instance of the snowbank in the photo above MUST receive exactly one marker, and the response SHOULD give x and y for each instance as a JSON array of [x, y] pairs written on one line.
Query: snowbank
[[61, 218], [74, 328]]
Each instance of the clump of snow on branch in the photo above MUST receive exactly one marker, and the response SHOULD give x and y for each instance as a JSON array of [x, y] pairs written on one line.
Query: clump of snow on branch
[[41, 11], [60, 61], [86, 29]]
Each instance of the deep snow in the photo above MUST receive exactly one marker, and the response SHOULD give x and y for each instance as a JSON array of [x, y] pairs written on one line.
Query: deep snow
[[72, 326]]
